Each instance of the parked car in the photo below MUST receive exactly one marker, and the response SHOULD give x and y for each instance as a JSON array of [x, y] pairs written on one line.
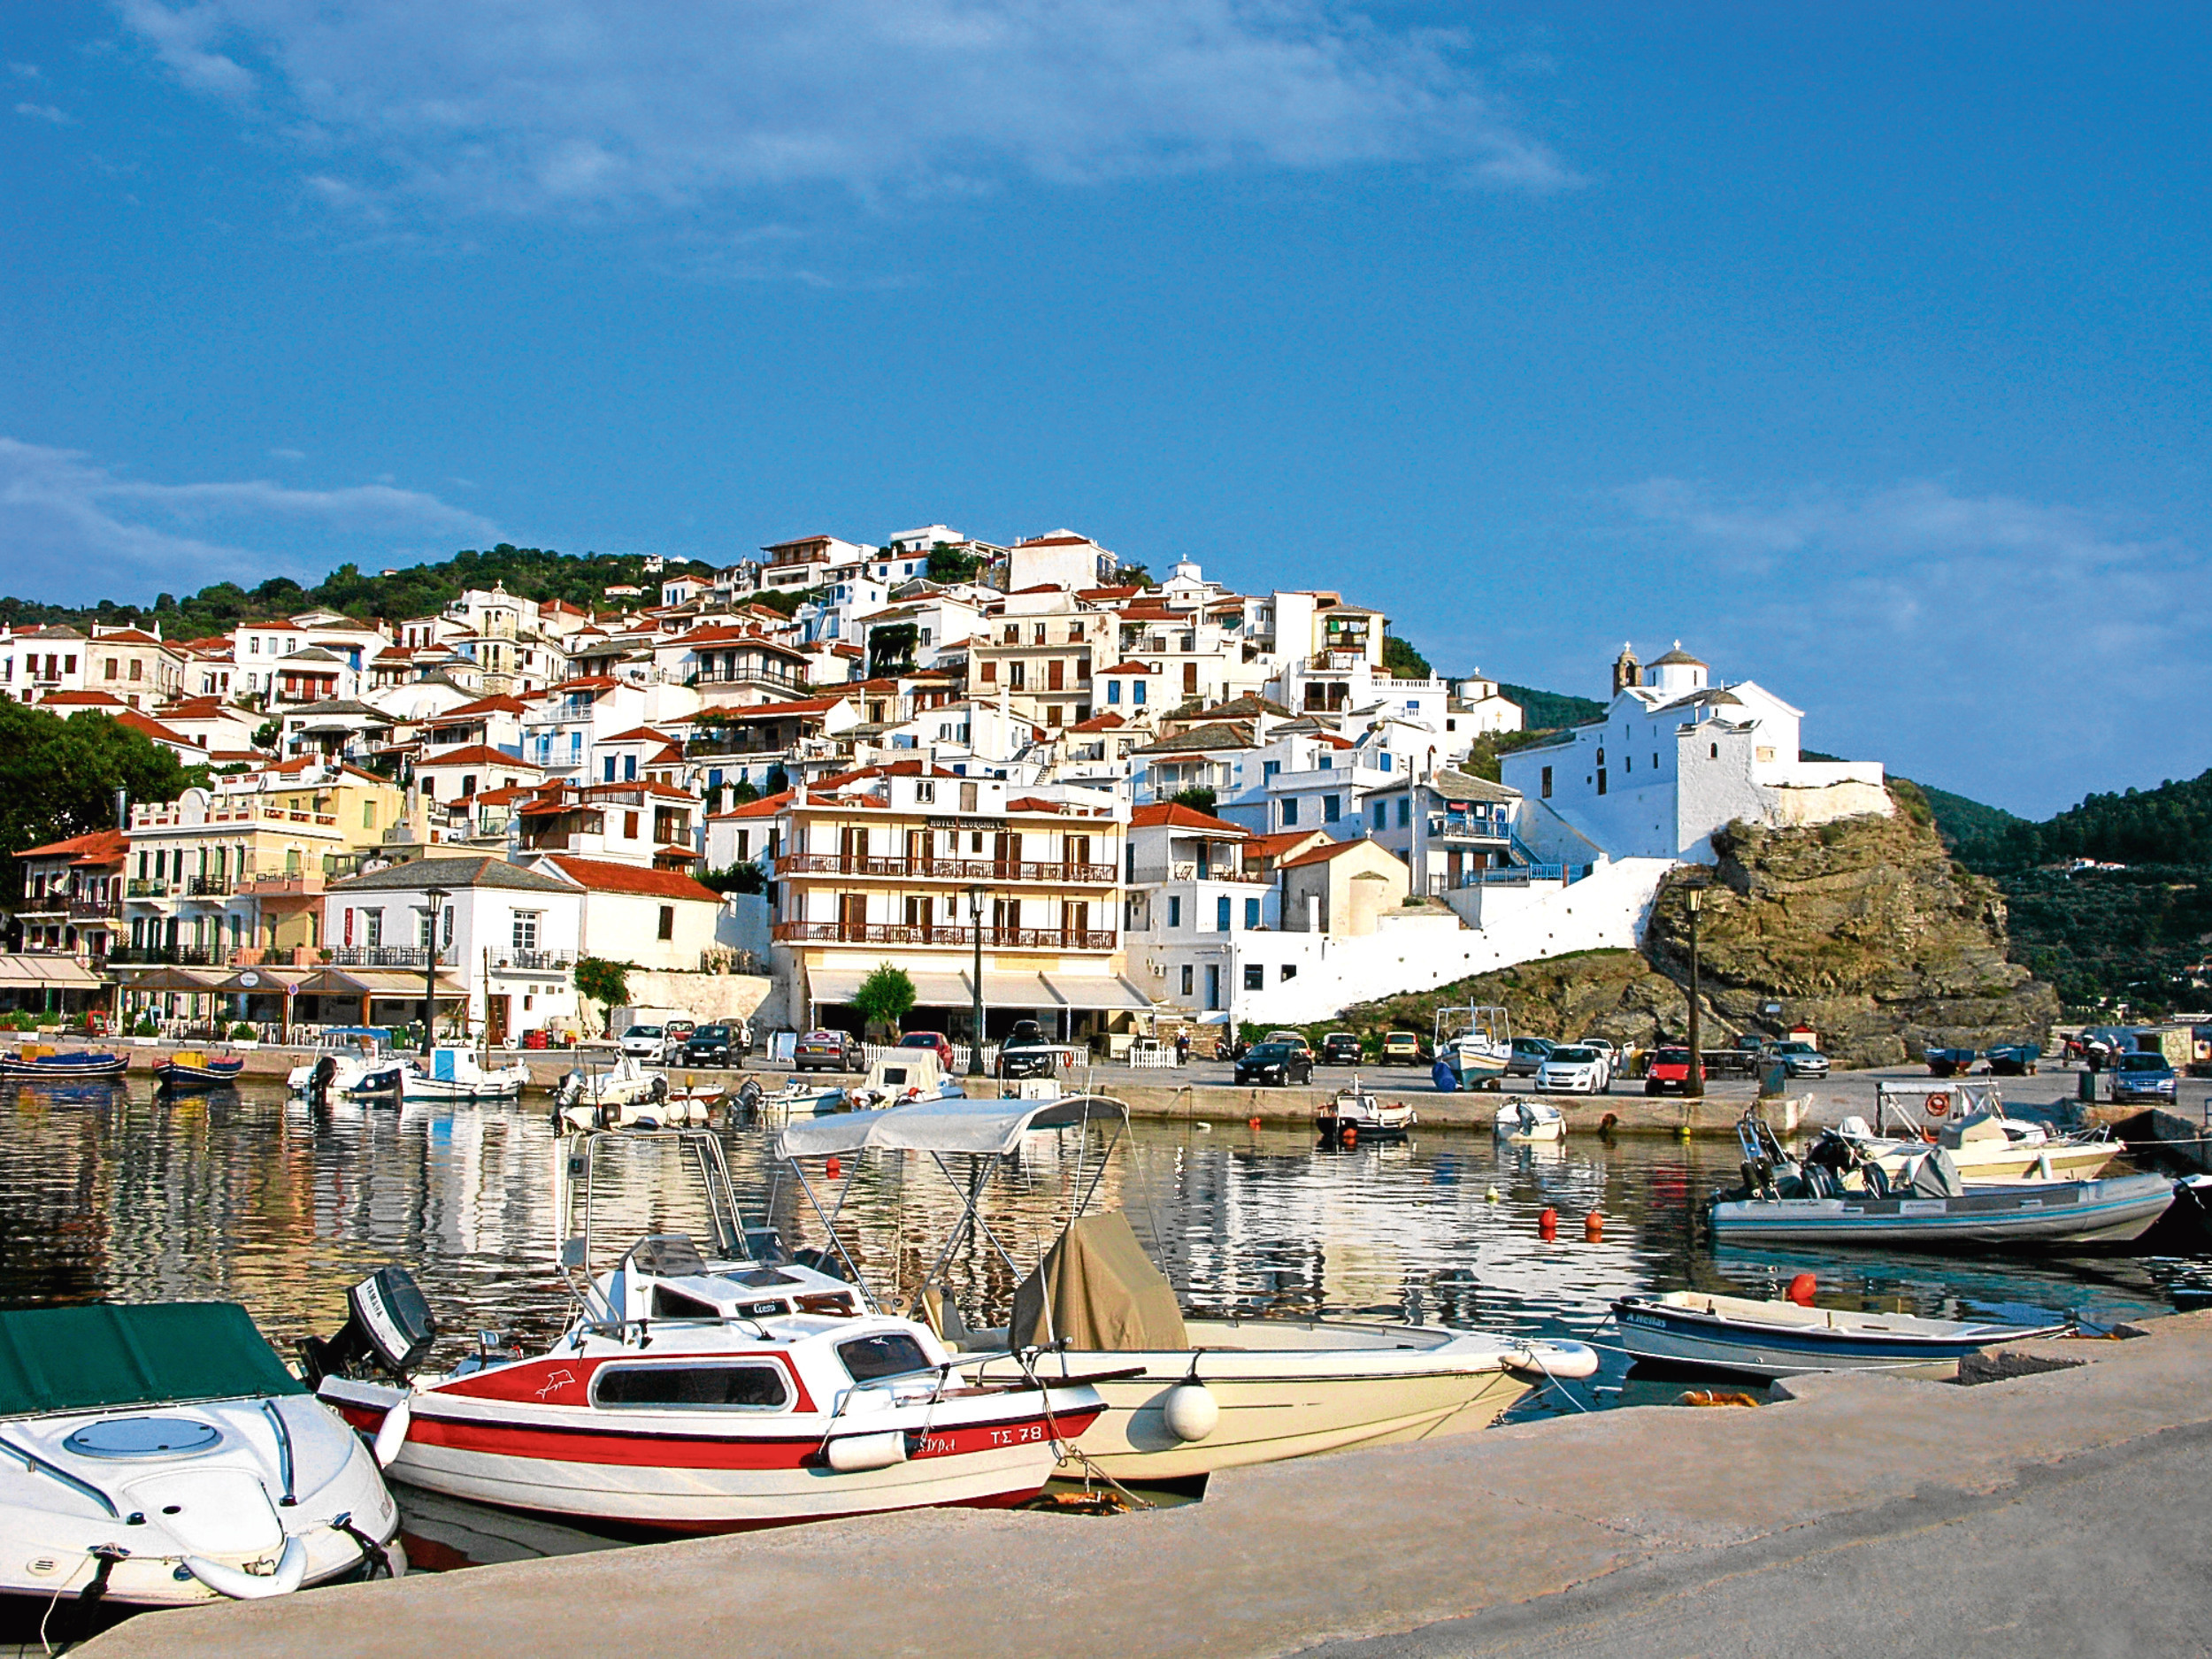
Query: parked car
[[712, 1045], [2142, 1076], [1341, 1047], [827, 1051], [1295, 1039], [1604, 1046], [935, 1040], [1801, 1059], [1403, 1047], [1669, 1068], [679, 1030], [1276, 1063], [1575, 1070], [1026, 1052], [651, 1044], [1528, 1055]]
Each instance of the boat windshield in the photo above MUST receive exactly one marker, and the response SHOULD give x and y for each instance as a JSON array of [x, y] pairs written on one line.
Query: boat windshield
[[885, 1354]]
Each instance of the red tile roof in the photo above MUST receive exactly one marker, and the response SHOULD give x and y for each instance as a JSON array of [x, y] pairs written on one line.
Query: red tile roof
[[767, 806], [83, 700], [598, 876], [1174, 815], [477, 755], [1125, 668], [1099, 722], [154, 729], [485, 705], [106, 844], [1321, 855]]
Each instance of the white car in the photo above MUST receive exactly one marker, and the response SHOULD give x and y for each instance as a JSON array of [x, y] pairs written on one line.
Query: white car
[[648, 1044], [1576, 1069], [1604, 1046]]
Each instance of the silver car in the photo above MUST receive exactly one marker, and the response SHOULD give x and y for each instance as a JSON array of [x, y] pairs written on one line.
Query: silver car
[[1575, 1070], [1800, 1059]]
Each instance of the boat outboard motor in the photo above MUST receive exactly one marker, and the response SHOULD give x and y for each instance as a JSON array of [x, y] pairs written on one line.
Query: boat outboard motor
[[389, 1328], [319, 1079]]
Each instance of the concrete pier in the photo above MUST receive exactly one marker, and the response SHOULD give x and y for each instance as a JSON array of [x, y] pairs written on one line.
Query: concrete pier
[[2059, 1512]]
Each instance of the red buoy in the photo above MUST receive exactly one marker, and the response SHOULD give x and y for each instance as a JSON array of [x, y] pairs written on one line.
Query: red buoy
[[1251, 1123], [1547, 1224], [1348, 1134], [1594, 1226], [835, 1168], [1801, 1288]]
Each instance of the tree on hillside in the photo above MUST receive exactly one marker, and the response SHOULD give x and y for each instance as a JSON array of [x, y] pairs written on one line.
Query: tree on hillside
[[948, 563], [59, 778], [1402, 661]]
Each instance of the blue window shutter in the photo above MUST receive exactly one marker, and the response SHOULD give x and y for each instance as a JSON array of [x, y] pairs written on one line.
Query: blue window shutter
[[1221, 914]]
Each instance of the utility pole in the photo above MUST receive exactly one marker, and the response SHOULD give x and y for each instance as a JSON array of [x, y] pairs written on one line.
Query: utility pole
[[1694, 1086], [975, 920], [435, 898]]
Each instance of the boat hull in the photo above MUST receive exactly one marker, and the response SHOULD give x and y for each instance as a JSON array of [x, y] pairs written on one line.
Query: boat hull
[[1283, 1401], [1653, 1330], [668, 1470], [218, 1074], [97, 1069], [2014, 1161], [2115, 1210]]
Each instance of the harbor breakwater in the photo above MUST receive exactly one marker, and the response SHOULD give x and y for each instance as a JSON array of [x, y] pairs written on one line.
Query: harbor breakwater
[[2056, 1510]]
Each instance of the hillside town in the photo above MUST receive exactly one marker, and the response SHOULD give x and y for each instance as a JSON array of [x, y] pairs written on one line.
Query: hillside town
[[1130, 804]]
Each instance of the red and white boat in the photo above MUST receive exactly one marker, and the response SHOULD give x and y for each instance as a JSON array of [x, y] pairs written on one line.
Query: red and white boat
[[705, 1396]]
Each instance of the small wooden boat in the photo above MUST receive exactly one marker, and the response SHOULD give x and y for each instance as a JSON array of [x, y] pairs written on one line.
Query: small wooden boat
[[162, 1454], [1358, 1115], [41, 1063], [1475, 1042], [189, 1069], [459, 1074], [1526, 1122], [1952, 1062], [1786, 1339]]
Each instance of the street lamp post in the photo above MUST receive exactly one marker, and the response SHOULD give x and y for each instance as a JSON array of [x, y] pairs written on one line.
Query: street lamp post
[[975, 920], [435, 898], [1695, 1085]]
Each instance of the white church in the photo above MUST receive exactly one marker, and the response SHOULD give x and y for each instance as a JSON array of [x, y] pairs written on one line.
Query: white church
[[1676, 757]]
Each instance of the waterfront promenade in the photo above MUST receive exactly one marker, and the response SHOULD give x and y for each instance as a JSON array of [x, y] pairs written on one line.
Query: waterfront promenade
[[2056, 1512]]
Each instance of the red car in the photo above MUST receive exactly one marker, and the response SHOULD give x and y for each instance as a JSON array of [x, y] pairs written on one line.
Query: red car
[[936, 1040], [1670, 1069]]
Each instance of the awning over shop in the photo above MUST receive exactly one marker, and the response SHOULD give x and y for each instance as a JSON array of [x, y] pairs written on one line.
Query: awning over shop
[[1095, 990], [167, 979], [391, 983], [46, 973], [263, 981], [931, 990]]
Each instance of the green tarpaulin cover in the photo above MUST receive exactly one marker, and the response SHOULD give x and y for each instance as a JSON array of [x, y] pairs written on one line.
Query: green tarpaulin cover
[[79, 1359], [1098, 1290]]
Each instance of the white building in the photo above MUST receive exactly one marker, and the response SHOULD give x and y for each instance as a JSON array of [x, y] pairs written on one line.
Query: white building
[[1676, 757]]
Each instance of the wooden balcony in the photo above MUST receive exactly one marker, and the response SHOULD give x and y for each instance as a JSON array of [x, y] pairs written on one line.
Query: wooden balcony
[[901, 933], [983, 870]]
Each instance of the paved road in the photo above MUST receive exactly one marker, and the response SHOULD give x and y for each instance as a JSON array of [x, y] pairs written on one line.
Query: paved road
[[2100, 1553]]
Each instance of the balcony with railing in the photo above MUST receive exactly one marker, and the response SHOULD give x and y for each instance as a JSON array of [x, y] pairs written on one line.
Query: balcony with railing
[[380, 957], [207, 887], [147, 887], [834, 933], [986, 869], [533, 961], [50, 902], [783, 679], [1459, 826], [91, 909], [277, 884]]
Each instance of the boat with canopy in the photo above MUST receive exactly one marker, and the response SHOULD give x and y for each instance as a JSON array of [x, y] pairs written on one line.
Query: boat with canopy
[[1193, 1395], [162, 1454]]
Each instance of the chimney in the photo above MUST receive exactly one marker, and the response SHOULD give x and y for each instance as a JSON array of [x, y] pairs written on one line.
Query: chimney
[[122, 808]]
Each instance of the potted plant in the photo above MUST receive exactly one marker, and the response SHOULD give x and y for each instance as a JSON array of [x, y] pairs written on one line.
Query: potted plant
[[244, 1036]]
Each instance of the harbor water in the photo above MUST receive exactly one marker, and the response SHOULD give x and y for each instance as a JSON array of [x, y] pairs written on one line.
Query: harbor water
[[106, 1191]]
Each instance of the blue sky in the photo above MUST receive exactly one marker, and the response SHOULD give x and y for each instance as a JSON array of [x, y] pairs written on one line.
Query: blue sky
[[1862, 352]]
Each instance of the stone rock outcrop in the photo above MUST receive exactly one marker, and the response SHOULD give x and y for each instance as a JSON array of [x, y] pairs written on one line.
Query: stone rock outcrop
[[1862, 929]]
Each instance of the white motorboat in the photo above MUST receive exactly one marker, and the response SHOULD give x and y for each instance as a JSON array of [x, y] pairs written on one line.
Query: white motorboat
[[596, 1099], [803, 1096], [1524, 1121], [1358, 1114], [1476, 1043], [460, 1074], [899, 1078], [353, 1065], [697, 1394], [1969, 1121], [1183, 1396], [1782, 1337], [161, 1454]]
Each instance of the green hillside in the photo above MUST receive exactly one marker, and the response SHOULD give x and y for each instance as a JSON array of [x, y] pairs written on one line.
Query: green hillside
[[420, 590], [1544, 711]]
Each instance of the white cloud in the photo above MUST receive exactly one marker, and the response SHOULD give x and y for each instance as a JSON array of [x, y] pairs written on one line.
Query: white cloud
[[2030, 650], [46, 112], [76, 531], [570, 105], [287, 455], [27, 72]]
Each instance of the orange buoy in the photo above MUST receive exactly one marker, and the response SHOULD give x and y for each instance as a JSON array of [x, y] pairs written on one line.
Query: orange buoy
[[1547, 1224], [1801, 1288], [1348, 1134], [835, 1168], [1251, 1123], [1714, 1397], [1594, 1226]]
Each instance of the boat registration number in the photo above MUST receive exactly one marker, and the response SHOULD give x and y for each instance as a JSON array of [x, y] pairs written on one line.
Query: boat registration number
[[1020, 1435], [1921, 1207]]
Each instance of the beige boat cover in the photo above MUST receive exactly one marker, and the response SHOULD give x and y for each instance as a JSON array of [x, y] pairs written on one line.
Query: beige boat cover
[[1105, 1294]]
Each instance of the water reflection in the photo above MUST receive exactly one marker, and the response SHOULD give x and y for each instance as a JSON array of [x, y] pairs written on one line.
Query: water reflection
[[107, 1191]]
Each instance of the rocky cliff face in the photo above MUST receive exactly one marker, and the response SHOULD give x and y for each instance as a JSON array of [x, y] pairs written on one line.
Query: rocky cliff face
[[1862, 929]]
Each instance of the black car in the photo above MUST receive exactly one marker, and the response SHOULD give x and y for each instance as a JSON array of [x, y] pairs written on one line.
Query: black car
[[1274, 1062], [711, 1045], [1341, 1047], [1027, 1051]]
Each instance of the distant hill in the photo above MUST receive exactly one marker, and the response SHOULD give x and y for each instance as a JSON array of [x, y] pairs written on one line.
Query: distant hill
[[1959, 820], [2170, 824], [1542, 711], [420, 590]]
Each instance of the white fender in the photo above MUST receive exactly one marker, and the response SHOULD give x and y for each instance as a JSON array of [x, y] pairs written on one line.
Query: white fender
[[393, 1433], [248, 1586], [1190, 1411], [849, 1454]]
